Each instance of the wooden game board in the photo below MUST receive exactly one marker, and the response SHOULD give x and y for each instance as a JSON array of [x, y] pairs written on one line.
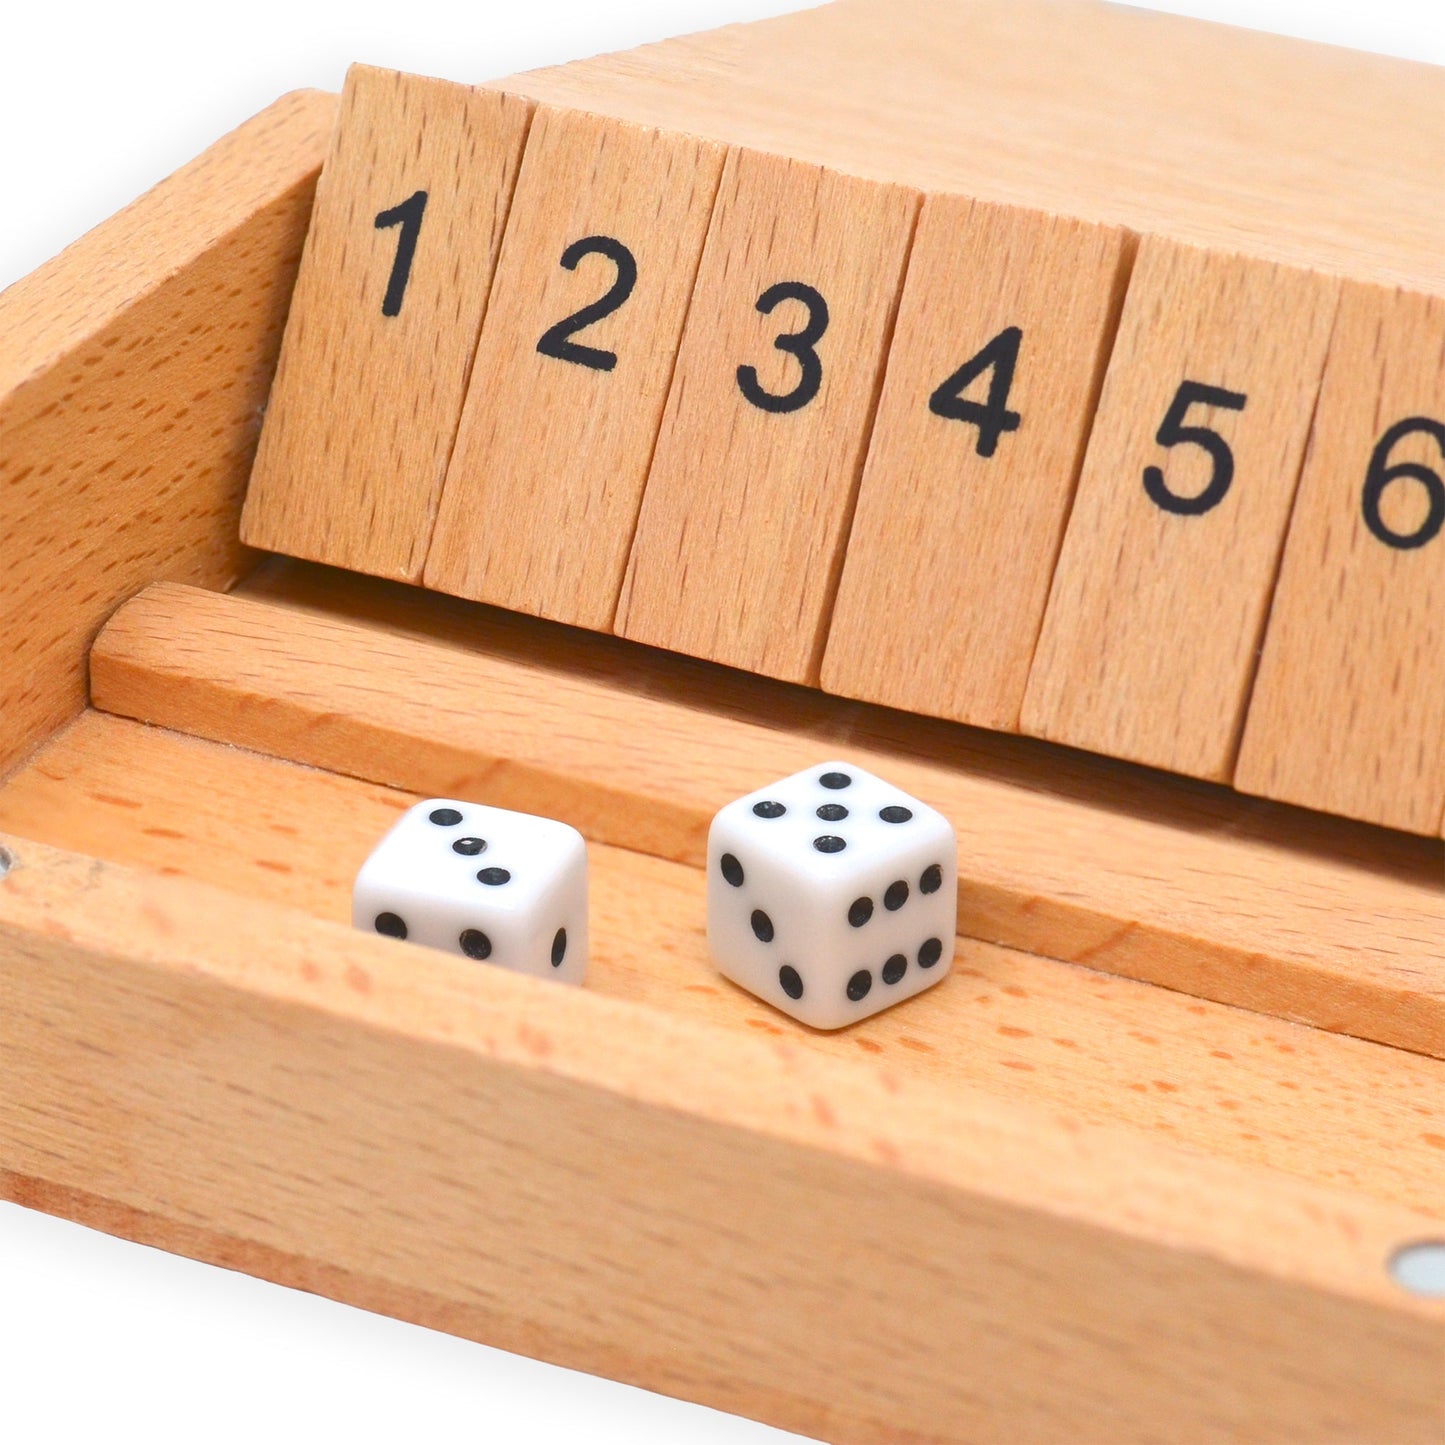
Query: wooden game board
[[1135, 1171]]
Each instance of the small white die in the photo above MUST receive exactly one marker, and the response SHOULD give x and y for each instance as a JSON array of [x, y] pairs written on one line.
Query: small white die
[[831, 894], [502, 887]]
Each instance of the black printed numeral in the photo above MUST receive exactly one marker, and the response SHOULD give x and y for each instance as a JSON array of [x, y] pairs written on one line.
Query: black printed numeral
[[1381, 474], [991, 417], [557, 340], [1172, 433], [800, 344], [408, 216]]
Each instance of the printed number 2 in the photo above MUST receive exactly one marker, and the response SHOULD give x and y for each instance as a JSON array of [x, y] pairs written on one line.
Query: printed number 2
[[408, 216], [1172, 433], [800, 344], [557, 340]]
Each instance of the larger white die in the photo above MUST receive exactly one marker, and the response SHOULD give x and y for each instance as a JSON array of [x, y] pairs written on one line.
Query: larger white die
[[507, 888], [831, 894]]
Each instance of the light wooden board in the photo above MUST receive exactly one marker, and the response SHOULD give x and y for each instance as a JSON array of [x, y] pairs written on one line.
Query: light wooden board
[[394, 280], [694, 1211], [1348, 713], [1158, 604], [958, 524], [1214, 895], [1071, 1041], [555, 448], [131, 374], [1225, 138], [743, 523]]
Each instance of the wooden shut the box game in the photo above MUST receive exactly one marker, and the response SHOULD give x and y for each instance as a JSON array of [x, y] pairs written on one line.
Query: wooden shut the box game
[[1039, 404]]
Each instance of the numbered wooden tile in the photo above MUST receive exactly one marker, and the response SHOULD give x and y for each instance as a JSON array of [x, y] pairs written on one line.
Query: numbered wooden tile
[[573, 367], [747, 506], [1348, 713], [1158, 603], [1003, 333], [393, 283]]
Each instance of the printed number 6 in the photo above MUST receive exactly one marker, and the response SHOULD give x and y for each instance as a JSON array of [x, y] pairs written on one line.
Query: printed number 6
[[1380, 475]]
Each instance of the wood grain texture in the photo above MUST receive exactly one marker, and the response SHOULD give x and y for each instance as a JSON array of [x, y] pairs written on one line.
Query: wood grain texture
[[132, 372], [400, 1128], [743, 523], [1213, 895], [1071, 1041], [1229, 139], [956, 534], [1348, 712], [1154, 620], [555, 451], [365, 406]]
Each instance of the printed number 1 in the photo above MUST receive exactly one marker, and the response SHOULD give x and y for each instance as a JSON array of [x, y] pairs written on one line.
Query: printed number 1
[[408, 216]]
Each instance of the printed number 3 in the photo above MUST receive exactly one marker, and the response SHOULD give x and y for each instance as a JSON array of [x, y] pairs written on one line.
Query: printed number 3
[[1172, 433], [800, 344]]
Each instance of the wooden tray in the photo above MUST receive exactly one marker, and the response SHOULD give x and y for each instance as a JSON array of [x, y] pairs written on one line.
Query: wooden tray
[[1135, 1172]]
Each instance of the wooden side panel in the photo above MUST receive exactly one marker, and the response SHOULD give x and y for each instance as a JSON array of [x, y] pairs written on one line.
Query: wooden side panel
[[1348, 713], [962, 508], [693, 1211], [1069, 1040], [395, 278], [747, 507], [1093, 870], [1158, 605], [133, 370], [557, 434]]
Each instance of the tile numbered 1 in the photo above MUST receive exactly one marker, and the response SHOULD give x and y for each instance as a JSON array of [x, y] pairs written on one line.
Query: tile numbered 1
[[1348, 713], [573, 367], [1163, 585], [1003, 333], [747, 506], [384, 321]]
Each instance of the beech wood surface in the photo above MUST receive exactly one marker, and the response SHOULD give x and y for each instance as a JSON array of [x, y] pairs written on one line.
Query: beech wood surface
[[951, 551], [546, 478], [1154, 619], [133, 369], [1070, 1040], [694, 1212], [740, 539], [1238, 901], [1230, 139], [366, 402], [1348, 711]]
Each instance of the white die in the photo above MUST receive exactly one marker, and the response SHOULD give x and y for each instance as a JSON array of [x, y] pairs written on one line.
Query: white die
[[831, 894], [486, 883]]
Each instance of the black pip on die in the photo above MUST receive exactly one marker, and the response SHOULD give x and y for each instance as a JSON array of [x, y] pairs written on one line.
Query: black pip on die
[[501, 887], [831, 894]]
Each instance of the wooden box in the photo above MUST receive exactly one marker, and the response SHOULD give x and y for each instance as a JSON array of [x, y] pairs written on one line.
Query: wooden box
[[1136, 1172]]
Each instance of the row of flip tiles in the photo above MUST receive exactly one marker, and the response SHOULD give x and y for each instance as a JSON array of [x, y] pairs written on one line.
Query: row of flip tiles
[[1017, 470]]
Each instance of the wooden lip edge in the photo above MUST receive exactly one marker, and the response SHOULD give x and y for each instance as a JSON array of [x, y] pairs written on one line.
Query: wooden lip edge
[[1322, 991], [497, 1328], [36, 345], [1243, 1218]]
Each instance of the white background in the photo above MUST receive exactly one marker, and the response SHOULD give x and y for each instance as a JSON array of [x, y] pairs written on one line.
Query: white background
[[101, 1339]]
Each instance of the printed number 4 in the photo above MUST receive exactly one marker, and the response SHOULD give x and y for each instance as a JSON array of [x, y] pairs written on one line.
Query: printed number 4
[[991, 417]]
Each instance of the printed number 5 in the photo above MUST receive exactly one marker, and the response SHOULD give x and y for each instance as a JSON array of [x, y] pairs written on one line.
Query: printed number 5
[[1172, 433]]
